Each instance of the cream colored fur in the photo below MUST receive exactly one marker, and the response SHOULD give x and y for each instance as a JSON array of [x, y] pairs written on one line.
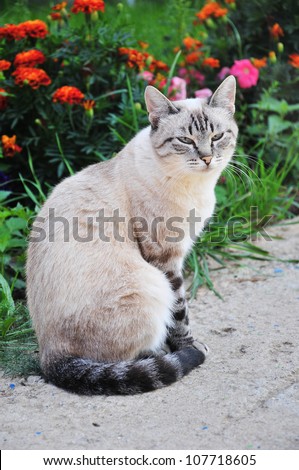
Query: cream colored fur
[[102, 300]]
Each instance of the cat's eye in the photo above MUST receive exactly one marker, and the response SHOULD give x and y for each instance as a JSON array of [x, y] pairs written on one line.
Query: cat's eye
[[217, 137], [185, 140]]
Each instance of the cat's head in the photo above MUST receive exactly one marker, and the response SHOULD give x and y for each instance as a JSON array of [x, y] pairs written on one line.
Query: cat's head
[[193, 135]]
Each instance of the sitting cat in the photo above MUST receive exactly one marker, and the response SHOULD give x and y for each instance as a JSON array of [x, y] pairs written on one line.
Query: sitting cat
[[104, 296]]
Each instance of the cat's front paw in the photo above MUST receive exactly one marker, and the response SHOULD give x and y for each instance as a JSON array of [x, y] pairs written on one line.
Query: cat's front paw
[[200, 347]]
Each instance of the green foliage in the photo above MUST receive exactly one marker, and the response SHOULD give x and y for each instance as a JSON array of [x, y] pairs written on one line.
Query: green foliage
[[14, 223], [18, 344]]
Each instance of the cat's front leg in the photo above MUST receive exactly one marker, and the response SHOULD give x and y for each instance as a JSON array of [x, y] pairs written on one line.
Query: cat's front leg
[[179, 334]]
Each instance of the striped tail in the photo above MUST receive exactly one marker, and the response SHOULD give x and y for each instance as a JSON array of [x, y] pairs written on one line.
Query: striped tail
[[87, 377]]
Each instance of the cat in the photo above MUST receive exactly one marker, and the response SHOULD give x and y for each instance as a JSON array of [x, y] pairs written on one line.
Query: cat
[[104, 297]]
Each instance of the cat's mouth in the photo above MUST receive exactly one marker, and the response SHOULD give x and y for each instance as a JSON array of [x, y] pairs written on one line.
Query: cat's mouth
[[195, 163]]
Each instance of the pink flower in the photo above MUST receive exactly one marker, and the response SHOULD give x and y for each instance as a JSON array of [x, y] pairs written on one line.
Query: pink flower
[[247, 75], [184, 73], [177, 89], [188, 74], [223, 73], [146, 75], [203, 93], [199, 77]]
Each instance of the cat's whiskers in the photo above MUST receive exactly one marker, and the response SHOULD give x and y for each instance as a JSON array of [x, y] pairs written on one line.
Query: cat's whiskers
[[233, 170], [231, 174], [249, 170]]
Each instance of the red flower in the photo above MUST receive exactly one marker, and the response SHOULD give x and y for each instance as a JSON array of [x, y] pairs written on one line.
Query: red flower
[[211, 9], [88, 104], [259, 63], [4, 65], [29, 58], [59, 6], [56, 16], [276, 31], [134, 57], [9, 146], [88, 6], [35, 28], [3, 100], [191, 43], [69, 95], [211, 62], [158, 65], [193, 57], [31, 76], [294, 60], [12, 32]]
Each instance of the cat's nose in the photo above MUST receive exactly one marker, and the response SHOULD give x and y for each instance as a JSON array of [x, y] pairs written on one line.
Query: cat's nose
[[207, 159]]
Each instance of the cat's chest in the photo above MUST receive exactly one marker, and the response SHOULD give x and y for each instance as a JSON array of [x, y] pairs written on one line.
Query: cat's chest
[[172, 234]]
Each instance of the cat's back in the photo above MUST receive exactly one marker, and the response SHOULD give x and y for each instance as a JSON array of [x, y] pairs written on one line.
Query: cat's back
[[91, 188]]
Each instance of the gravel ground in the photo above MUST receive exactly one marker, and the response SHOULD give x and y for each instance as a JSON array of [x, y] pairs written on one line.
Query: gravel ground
[[246, 395]]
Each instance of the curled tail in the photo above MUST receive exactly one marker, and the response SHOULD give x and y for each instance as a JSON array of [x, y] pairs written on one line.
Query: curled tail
[[87, 377]]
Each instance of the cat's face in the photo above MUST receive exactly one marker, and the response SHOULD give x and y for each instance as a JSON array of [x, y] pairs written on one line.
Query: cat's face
[[193, 136]]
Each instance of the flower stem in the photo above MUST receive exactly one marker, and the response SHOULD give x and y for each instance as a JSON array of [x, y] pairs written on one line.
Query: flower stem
[[237, 36]]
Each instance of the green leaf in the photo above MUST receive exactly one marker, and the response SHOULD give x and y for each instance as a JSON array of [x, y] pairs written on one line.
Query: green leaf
[[277, 125], [15, 223], [4, 238], [4, 195], [4, 326], [7, 295]]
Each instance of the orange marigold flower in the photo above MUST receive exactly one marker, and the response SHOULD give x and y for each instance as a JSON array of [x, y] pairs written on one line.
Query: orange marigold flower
[[191, 43], [29, 58], [3, 100], [68, 95], [88, 104], [276, 31], [59, 6], [193, 57], [10, 148], [294, 60], [88, 6], [4, 65], [211, 9], [259, 63], [35, 28], [56, 16], [31, 76], [143, 45], [158, 65], [12, 32], [134, 57], [211, 62]]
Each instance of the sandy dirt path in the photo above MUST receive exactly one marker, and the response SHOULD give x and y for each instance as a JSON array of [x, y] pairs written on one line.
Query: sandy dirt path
[[246, 395]]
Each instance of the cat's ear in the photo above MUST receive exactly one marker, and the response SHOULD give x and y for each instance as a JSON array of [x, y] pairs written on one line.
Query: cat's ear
[[157, 105], [224, 96]]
